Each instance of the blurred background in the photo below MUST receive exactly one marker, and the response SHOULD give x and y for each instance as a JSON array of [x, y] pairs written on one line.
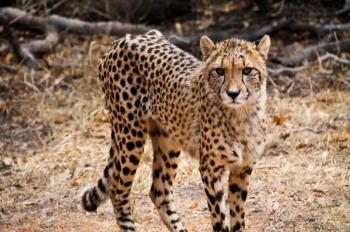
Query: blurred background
[[54, 128]]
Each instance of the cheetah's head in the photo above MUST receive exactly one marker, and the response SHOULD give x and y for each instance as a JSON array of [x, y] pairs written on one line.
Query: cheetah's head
[[236, 69]]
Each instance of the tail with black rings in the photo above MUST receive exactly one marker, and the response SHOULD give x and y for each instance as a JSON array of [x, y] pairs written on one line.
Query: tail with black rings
[[95, 196]]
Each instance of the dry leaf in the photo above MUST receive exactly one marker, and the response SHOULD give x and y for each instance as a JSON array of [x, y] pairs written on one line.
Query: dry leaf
[[347, 128], [340, 138], [279, 119], [61, 118], [301, 145], [8, 58], [194, 206]]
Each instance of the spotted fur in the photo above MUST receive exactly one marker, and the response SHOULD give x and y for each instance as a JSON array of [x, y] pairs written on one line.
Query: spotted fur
[[211, 109]]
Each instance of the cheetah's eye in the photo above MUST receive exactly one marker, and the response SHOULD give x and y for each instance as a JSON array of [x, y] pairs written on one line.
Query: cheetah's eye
[[220, 71], [247, 71]]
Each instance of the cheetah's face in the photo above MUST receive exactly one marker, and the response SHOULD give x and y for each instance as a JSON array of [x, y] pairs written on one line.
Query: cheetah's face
[[236, 69]]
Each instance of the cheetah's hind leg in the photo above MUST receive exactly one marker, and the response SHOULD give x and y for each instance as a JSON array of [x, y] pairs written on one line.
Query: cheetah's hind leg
[[165, 160]]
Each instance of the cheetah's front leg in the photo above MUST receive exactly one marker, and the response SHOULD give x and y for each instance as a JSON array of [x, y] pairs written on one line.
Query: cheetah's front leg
[[237, 195], [212, 174]]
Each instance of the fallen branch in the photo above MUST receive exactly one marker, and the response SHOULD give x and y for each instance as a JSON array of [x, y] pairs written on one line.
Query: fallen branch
[[24, 20], [52, 26], [307, 129], [286, 70], [8, 68], [292, 70], [334, 57], [21, 53], [45, 45], [256, 33], [251, 34], [344, 10], [311, 53]]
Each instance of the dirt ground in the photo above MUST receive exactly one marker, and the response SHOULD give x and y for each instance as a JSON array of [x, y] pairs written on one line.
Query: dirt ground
[[54, 141]]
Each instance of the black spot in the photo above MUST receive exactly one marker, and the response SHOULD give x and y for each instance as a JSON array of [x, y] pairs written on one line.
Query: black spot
[[130, 146], [219, 195], [126, 228], [221, 148], [116, 77], [134, 160], [222, 216], [101, 186], [111, 152], [234, 188], [124, 219], [139, 143], [137, 103], [237, 227], [128, 184], [129, 80], [218, 227], [125, 96], [105, 172], [123, 160], [133, 91], [118, 166], [210, 197], [170, 212], [130, 116], [93, 197], [175, 221], [238, 209], [174, 154], [217, 209], [126, 171], [232, 213], [156, 173], [244, 195], [122, 82], [122, 110]]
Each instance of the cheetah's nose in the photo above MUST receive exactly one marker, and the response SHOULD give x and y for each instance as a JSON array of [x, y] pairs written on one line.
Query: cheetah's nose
[[233, 94]]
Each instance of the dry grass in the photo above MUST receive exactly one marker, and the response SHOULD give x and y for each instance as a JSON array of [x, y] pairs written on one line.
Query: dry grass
[[54, 138]]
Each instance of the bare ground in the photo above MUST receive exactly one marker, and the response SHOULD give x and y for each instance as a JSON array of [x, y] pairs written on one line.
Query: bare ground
[[54, 140]]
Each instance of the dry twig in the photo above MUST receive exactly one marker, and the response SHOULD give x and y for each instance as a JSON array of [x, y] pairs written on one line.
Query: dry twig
[[320, 60], [52, 26], [311, 53], [21, 53]]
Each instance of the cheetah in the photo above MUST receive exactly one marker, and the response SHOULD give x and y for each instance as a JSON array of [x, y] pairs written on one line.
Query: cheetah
[[212, 110]]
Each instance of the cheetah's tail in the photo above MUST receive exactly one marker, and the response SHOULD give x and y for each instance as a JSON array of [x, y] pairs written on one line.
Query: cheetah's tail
[[95, 196]]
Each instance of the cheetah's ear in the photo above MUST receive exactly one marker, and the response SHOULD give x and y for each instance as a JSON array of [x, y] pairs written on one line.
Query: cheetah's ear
[[207, 46], [264, 46]]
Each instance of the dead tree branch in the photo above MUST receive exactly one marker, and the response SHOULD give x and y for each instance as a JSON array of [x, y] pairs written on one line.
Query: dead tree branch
[[22, 19], [251, 34], [45, 45], [292, 70], [312, 52], [256, 33], [52, 26], [21, 52]]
